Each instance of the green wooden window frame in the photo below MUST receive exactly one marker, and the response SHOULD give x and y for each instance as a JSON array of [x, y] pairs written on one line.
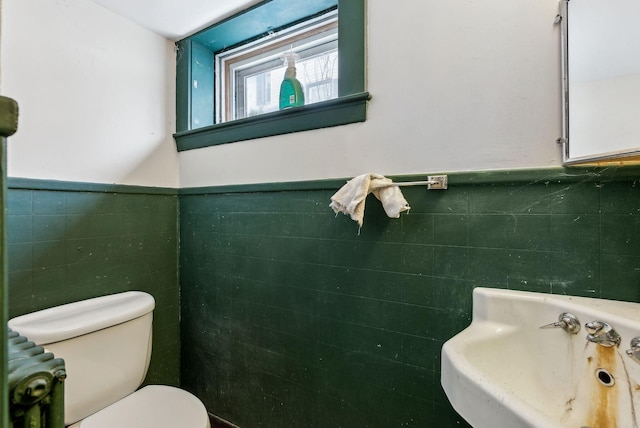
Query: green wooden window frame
[[195, 62]]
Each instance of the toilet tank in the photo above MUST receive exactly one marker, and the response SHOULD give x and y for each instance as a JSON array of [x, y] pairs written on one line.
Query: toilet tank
[[105, 342]]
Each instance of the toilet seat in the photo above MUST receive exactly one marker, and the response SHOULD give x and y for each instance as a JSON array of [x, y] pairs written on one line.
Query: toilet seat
[[154, 406]]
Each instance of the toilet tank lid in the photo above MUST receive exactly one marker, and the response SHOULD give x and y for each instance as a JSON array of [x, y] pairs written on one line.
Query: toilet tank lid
[[86, 316]]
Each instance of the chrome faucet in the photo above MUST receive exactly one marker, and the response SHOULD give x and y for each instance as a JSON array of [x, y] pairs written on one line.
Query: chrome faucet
[[634, 351], [602, 333], [566, 321]]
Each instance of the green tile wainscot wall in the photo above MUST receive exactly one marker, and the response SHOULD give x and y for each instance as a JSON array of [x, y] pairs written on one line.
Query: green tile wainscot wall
[[292, 319], [73, 241], [288, 316]]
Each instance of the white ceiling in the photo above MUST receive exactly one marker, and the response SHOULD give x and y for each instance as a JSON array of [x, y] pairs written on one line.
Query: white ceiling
[[175, 19]]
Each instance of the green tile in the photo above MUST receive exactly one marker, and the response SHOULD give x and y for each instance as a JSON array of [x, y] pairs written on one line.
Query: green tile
[[534, 198], [617, 276], [358, 282], [164, 366], [19, 229], [490, 231], [620, 234], [365, 255], [451, 230], [107, 224], [19, 202], [83, 273], [419, 321], [529, 270], [380, 407], [336, 412], [489, 200], [421, 413], [422, 352], [300, 323], [47, 285], [416, 290], [79, 226], [20, 289], [346, 369], [453, 290], [451, 262], [49, 202], [359, 310], [574, 198], [455, 200], [112, 203], [575, 233], [289, 225], [621, 197], [147, 223], [377, 226], [82, 203], [20, 256], [325, 226], [529, 232], [575, 274], [420, 383], [46, 254], [355, 338], [418, 228], [489, 267], [436, 292], [448, 417], [49, 227], [430, 323], [417, 259]]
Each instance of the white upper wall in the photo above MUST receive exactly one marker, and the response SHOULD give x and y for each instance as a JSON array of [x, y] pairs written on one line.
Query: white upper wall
[[96, 95], [456, 85]]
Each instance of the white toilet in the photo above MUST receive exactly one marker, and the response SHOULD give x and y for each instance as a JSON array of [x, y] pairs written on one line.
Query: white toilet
[[106, 345]]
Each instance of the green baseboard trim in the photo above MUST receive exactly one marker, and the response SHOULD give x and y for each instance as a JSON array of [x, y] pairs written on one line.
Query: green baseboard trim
[[75, 186], [571, 174], [515, 176], [465, 178], [265, 187]]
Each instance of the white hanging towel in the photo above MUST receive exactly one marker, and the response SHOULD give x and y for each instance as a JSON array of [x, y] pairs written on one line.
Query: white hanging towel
[[351, 197]]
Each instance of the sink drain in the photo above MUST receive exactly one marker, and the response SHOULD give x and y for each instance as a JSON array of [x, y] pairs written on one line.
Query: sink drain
[[605, 378]]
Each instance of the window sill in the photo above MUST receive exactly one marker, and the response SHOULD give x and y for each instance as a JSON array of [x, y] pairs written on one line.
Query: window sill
[[339, 111]]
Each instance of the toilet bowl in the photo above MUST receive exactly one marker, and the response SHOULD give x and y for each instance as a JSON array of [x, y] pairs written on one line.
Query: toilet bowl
[[106, 345], [150, 407]]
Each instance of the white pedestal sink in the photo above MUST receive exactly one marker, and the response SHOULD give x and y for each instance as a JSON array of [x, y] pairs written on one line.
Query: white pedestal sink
[[503, 371]]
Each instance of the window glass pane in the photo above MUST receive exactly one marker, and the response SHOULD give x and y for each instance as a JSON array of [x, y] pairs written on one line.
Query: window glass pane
[[251, 74], [319, 76], [258, 92]]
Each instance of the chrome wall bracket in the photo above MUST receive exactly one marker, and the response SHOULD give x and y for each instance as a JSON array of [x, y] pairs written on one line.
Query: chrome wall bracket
[[437, 182]]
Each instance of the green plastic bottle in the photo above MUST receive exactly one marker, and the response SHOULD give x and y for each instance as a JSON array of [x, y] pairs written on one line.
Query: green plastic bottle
[[291, 94]]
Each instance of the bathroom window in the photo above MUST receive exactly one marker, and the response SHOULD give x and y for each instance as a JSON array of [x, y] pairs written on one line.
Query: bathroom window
[[228, 76], [249, 77]]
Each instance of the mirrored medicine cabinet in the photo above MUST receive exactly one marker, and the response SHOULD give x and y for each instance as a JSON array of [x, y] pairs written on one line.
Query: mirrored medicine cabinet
[[600, 80]]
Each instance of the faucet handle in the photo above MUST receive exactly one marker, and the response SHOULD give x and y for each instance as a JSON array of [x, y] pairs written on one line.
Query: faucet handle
[[602, 333], [566, 321], [634, 351]]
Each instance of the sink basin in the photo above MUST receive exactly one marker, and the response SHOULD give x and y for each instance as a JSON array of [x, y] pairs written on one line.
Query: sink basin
[[504, 371]]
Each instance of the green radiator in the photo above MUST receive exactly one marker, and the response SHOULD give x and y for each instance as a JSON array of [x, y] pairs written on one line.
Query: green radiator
[[36, 385]]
